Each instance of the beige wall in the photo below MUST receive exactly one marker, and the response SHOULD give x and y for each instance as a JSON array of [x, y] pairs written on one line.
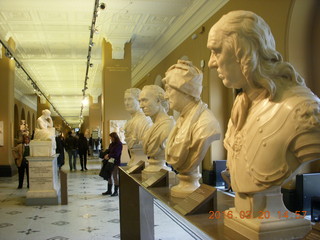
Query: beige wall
[[95, 115], [7, 69], [116, 79]]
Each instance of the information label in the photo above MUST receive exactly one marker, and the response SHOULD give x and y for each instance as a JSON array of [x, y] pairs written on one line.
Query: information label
[[197, 200], [158, 179], [136, 168]]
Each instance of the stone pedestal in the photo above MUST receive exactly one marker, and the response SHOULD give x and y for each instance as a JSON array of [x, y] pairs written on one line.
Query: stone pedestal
[[263, 216], [154, 166], [44, 181], [42, 148], [188, 182]]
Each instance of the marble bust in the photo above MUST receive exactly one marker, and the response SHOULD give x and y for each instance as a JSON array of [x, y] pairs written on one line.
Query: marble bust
[[274, 127], [24, 128], [196, 127], [44, 127], [156, 107], [136, 127]]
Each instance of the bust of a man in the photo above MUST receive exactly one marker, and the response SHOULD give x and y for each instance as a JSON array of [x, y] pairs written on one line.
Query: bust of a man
[[24, 128], [196, 127], [136, 127], [44, 127], [275, 122], [155, 106]]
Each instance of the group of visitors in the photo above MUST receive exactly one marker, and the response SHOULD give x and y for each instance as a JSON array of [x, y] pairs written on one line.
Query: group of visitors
[[74, 145]]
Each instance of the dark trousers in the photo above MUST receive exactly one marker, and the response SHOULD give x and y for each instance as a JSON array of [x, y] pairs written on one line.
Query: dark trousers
[[23, 168], [72, 154], [83, 159]]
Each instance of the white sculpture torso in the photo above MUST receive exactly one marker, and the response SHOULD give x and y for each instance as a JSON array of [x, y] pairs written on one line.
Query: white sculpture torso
[[136, 128], [154, 141], [134, 131], [44, 130], [195, 130], [255, 158], [44, 143], [154, 105], [274, 127], [196, 127]]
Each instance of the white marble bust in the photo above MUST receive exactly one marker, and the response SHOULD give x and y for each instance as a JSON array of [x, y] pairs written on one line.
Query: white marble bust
[[196, 127], [136, 127], [156, 107], [274, 127], [44, 127], [24, 128]]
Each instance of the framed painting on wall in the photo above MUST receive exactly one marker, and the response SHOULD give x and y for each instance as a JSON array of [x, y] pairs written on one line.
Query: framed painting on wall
[[1, 133]]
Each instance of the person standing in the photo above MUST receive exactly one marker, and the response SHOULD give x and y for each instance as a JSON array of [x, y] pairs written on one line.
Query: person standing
[[71, 147], [60, 149], [83, 151], [90, 153], [20, 152], [114, 154]]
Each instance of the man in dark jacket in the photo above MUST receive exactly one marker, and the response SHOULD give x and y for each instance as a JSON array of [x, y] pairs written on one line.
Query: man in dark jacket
[[71, 145], [83, 151]]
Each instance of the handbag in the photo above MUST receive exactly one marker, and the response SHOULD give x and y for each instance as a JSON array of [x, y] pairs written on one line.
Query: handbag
[[106, 169]]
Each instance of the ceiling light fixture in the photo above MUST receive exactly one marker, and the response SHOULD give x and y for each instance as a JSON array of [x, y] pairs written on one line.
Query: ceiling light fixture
[[93, 31], [9, 54], [36, 89]]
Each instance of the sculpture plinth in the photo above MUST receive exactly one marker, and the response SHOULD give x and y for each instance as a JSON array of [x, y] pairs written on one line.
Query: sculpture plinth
[[42, 148], [154, 167], [44, 182], [188, 182], [263, 216]]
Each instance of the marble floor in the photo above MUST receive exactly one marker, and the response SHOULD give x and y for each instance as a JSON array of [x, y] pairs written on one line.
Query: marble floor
[[88, 214]]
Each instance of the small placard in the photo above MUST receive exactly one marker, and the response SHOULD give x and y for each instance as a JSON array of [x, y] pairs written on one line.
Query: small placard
[[137, 168], [199, 201], [158, 179]]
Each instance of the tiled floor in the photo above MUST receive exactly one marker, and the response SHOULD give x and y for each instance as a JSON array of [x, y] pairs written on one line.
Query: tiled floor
[[88, 214]]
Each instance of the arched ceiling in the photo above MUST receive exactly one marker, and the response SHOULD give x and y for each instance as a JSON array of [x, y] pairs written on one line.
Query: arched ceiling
[[52, 39]]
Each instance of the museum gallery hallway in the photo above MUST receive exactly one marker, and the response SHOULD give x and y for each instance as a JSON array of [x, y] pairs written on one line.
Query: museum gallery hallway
[[88, 214]]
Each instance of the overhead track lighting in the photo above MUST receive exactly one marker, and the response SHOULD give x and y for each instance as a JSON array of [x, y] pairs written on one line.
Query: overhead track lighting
[[93, 30], [102, 6], [36, 89]]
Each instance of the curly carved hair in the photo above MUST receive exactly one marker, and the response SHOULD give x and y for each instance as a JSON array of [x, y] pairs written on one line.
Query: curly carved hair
[[254, 46]]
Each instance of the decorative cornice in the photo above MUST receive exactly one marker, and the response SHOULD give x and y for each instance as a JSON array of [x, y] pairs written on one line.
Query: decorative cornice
[[181, 30], [32, 103]]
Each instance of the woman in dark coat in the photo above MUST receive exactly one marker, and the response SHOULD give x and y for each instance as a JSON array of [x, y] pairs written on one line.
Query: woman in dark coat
[[113, 155], [83, 151]]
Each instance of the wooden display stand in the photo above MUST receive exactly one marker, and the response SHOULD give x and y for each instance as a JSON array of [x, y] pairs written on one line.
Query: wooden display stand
[[137, 199]]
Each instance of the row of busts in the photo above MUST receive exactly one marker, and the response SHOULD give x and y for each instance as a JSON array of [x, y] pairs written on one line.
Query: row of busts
[[154, 136]]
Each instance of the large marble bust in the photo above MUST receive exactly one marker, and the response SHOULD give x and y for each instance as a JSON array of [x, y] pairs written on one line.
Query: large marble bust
[[136, 127], [44, 127], [275, 122], [196, 127], [156, 107]]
